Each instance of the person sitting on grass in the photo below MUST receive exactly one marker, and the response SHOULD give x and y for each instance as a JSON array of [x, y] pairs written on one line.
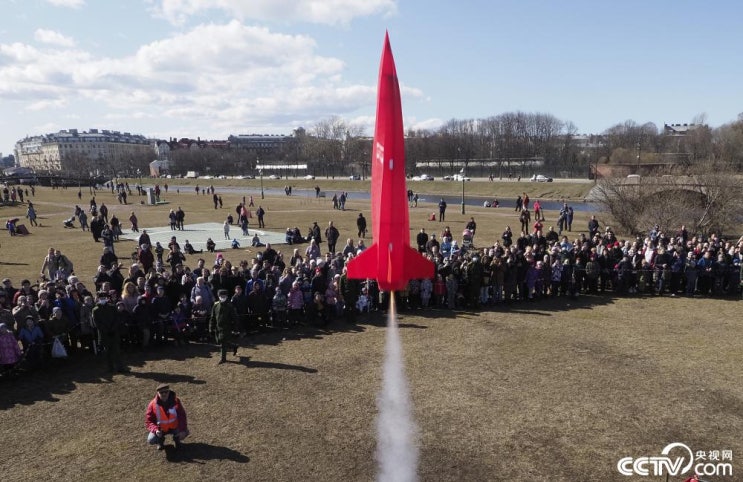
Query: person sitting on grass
[[189, 249], [210, 245], [165, 415], [235, 243], [256, 242]]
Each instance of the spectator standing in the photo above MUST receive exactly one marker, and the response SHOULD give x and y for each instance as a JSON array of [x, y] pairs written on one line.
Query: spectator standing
[[180, 216], [222, 322], [472, 226], [538, 214], [10, 352], [422, 239], [570, 218], [442, 210], [135, 222], [332, 234], [525, 219], [593, 227], [315, 233], [361, 225], [260, 212], [31, 215], [106, 320]]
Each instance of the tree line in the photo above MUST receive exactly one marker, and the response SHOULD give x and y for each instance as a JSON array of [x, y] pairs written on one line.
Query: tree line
[[515, 143]]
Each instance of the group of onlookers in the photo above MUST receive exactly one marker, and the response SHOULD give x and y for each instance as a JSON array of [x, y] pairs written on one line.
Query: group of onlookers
[[164, 297]]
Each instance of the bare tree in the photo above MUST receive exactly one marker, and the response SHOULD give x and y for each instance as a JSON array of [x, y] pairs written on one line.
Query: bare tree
[[623, 201], [706, 200]]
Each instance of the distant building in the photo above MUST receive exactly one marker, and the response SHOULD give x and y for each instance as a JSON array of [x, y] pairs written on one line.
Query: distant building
[[259, 142], [679, 130], [89, 152], [7, 161], [164, 148]]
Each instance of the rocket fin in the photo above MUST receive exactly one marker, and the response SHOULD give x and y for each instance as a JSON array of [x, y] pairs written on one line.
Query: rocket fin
[[416, 266], [365, 265]]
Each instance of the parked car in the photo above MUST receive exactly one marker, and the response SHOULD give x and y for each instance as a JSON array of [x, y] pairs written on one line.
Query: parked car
[[274, 176], [355, 177], [309, 176], [540, 178], [460, 177], [423, 177]]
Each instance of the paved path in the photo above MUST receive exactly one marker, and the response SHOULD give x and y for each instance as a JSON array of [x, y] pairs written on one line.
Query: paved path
[[197, 234]]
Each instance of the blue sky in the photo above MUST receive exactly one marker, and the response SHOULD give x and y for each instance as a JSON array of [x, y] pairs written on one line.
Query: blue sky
[[211, 68]]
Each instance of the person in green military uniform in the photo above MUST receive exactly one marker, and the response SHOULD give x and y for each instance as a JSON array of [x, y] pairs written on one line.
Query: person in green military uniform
[[106, 320], [222, 321]]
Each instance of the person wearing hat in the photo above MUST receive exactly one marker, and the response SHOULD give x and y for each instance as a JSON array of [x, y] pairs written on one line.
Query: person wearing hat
[[315, 233], [58, 326], [165, 416], [26, 290], [106, 319], [10, 291], [222, 322], [32, 339], [145, 257], [108, 257]]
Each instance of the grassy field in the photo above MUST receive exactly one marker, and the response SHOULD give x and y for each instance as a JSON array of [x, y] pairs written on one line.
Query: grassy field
[[21, 257], [570, 189], [555, 390]]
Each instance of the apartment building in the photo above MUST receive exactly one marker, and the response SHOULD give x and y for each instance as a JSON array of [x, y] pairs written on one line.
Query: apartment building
[[92, 152]]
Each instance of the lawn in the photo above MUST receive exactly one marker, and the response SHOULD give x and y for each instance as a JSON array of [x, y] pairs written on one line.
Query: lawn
[[556, 390]]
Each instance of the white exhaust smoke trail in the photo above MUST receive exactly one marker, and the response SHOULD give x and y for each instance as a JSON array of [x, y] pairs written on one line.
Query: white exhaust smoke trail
[[397, 453]]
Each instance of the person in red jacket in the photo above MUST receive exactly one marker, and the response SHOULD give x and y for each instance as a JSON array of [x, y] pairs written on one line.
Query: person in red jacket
[[165, 415]]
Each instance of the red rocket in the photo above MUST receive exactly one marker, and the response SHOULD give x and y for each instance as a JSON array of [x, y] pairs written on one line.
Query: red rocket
[[390, 259]]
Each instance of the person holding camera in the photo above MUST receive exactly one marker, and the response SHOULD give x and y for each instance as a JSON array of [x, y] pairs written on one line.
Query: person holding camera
[[165, 415]]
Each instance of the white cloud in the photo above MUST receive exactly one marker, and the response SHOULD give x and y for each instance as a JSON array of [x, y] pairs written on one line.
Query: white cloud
[[47, 127], [47, 104], [426, 124], [67, 3], [210, 80], [242, 75], [53, 38], [330, 12]]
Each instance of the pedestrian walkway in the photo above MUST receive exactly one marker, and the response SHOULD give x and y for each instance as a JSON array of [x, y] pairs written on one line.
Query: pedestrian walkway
[[197, 235]]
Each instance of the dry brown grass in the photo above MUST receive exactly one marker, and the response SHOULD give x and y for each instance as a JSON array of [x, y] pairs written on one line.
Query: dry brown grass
[[553, 390]]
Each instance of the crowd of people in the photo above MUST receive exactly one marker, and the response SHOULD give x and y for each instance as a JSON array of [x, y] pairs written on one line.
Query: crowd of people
[[181, 296]]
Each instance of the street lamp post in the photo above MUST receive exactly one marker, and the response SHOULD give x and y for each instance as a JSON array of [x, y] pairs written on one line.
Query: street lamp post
[[462, 191], [638, 158], [260, 171]]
